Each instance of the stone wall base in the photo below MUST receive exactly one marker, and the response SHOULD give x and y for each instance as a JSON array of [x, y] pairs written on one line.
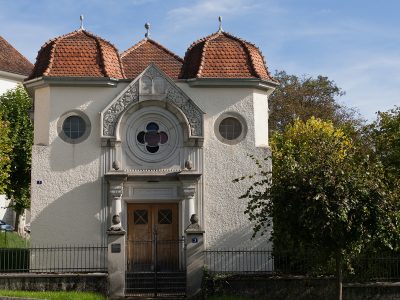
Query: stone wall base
[[55, 282], [298, 288]]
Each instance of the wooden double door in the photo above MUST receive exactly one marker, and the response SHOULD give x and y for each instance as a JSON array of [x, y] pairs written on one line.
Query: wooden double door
[[153, 240]]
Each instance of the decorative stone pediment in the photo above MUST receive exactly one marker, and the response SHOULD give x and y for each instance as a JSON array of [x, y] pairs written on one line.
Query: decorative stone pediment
[[152, 84]]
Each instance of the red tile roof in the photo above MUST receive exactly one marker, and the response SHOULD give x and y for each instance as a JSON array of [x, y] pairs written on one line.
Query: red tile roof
[[12, 61], [147, 51], [78, 54], [222, 55]]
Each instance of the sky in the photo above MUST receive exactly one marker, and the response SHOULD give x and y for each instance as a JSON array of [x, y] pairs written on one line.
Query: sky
[[354, 43]]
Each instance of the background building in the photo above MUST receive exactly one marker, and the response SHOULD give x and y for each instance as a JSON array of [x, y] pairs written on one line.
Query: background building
[[14, 68]]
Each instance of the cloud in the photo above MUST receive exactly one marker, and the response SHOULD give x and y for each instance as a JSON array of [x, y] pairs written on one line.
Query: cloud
[[211, 8], [371, 80]]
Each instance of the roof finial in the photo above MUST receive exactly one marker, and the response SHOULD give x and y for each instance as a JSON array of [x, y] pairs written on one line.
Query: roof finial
[[220, 24], [81, 18], [147, 26]]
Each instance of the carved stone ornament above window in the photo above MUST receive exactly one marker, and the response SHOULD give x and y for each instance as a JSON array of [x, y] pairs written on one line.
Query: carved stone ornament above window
[[152, 84]]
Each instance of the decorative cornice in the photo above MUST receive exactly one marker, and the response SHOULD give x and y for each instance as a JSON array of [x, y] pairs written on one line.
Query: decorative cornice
[[70, 81], [233, 82], [116, 177], [116, 191], [189, 192], [189, 176]]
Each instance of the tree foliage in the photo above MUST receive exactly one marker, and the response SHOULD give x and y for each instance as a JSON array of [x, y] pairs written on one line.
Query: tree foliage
[[5, 150], [324, 193], [385, 136], [304, 97], [14, 106]]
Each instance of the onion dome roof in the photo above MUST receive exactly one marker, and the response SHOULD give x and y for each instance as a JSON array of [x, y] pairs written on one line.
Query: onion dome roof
[[78, 54], [222, 55]]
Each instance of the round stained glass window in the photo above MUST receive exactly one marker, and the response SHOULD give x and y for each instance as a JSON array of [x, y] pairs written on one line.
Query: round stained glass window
[[152, 137]]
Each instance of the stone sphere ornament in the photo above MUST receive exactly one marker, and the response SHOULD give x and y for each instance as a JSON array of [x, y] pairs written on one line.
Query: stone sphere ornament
[[116, 219], [116, 165], [188, 165], [194, 219]]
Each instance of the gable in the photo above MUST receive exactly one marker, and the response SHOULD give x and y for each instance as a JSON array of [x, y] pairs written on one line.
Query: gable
[[152, 85]]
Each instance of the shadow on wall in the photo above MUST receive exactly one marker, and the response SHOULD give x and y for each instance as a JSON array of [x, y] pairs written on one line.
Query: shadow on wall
[[73, 218], [6, 213], [65, 156], [241, 239]]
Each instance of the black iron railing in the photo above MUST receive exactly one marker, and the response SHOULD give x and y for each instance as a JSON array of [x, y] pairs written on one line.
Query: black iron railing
[[54, 259], [260, 261], [239, 261]]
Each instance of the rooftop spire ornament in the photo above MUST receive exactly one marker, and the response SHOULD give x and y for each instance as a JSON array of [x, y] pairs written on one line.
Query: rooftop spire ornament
[[220, 24], [147, 26], [81, 18]]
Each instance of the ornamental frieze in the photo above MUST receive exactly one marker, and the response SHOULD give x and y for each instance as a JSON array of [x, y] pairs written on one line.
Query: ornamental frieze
[[112, 114], [152, 82]]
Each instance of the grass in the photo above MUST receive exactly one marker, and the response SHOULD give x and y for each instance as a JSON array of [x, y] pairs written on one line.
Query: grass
[[226, 297], [12, 240], [53, 295]]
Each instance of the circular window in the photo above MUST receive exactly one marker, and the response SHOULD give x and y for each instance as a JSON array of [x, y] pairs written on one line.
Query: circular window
[[230, 128], [73, 127], [152, 135]]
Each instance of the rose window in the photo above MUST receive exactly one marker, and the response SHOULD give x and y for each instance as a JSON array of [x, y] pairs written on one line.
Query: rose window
[[152, 137]]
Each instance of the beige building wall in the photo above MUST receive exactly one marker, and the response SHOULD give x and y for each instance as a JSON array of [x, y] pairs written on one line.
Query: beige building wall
[[225, 223], [66, 181], [67, 178]]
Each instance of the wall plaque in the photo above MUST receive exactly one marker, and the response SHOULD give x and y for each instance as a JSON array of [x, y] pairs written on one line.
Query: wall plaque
[[115, 248]]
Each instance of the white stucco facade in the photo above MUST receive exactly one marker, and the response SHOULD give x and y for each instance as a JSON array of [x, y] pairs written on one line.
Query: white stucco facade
[[66, 182], [74, 184]]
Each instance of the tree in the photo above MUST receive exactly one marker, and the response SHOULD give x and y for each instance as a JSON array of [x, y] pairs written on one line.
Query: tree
[[324, 194], [385, 136], [5, 150], [304, 97], [14, 105]]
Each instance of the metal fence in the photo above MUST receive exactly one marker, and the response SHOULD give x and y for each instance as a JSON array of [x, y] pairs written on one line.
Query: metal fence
[[260, 261], [54, 259], [239, 261]]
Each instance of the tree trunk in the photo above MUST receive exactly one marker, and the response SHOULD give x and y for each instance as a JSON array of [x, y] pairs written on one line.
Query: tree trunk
[[339, 275], [17, 215], [21, 225]]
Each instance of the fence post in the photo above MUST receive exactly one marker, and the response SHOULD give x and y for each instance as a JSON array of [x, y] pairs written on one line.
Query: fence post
[[194, 257], [116, 263]]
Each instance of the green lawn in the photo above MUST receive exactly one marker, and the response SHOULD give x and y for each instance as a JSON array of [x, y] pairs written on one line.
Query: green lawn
[[12, 240], [227, 298], [53, 295]]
